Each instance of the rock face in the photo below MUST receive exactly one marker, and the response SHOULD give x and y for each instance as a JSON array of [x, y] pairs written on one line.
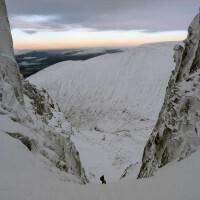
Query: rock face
[[30, 116], [6, 45], [9, 75], [56, 131], [176, 134], [131, 171]]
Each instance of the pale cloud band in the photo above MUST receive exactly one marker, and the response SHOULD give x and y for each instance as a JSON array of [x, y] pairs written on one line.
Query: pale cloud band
[[61, 15]]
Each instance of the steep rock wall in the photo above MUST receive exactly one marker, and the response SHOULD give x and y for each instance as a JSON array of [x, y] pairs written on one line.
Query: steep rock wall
[[177, 131], [30, 116], [9, 76]]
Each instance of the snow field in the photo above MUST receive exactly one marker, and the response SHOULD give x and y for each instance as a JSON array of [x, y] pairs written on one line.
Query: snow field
[[117, 96]]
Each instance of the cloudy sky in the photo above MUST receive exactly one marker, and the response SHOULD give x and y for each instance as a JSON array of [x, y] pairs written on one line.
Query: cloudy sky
[[41, 24]]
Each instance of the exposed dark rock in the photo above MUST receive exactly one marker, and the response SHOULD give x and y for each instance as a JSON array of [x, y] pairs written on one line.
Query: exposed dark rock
[[29, 143]]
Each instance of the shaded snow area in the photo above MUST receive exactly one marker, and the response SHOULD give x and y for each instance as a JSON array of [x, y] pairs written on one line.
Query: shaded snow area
[[110, 153], [26, 178], [114, 101]]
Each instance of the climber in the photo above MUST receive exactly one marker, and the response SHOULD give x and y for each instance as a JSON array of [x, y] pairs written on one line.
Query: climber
[[102, 179]]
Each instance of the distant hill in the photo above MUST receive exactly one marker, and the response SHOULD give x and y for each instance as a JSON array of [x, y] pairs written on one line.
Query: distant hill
[[124, 85], [31, 62]]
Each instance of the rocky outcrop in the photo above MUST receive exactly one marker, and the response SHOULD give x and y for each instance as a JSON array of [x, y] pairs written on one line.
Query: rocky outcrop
[[57, 145], [6, 45], [32, 117], [131, 171], [176, 134], [9, 75]]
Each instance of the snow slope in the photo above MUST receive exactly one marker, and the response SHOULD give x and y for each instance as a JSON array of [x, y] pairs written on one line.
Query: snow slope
[[34, 134], [109, 91], [22, 177], [114, 100]]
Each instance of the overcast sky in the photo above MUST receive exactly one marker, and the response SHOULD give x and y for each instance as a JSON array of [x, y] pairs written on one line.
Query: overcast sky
[[41, 19]]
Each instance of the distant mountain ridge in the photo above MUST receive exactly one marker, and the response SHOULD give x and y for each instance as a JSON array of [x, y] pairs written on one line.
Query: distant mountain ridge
[[30, 61]]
